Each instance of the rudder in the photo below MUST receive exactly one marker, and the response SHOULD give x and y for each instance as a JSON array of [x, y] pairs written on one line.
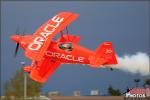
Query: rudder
[[104, 55]]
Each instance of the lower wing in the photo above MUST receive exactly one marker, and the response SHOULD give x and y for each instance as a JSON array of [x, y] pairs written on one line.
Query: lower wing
[[43, 70]]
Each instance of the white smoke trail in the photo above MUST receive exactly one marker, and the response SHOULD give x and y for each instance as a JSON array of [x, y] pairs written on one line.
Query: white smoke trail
[[137, 63]]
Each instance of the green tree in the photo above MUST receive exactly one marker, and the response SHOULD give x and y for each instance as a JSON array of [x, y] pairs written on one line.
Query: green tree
[[15, 86], [113, 92], [137, 82], [147, 82]]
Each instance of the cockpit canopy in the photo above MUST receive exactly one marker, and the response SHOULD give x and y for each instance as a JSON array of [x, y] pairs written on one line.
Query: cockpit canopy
[[66, 46]]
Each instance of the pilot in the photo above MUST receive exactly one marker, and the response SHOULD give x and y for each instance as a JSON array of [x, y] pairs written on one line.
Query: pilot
[[66, 46]]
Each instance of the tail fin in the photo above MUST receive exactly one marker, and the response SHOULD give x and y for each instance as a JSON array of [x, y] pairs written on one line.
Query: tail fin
[[104, 55]]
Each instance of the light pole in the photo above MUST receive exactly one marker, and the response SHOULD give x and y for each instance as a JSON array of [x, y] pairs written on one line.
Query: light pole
[[25, 82]]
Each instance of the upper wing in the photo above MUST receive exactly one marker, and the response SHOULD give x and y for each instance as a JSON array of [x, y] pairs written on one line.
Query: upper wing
[[43, 70], [42, 37]]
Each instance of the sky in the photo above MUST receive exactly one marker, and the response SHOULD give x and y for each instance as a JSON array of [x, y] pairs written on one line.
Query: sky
[[124, 23]]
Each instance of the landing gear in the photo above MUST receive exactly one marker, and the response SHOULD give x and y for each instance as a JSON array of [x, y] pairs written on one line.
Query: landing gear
[[27, 69]]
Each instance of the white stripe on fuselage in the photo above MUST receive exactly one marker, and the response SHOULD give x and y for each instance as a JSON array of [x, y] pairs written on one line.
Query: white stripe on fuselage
[[65, 56]]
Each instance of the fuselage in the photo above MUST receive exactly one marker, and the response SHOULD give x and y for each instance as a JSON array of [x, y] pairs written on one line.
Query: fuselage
[[47, 55], [77, 54]]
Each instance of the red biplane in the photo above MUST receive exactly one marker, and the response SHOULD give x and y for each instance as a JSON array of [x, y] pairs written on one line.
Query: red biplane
[[47, 54]]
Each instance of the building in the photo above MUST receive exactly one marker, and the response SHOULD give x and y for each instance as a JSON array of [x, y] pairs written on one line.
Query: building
[[95, 92], [77, 93]]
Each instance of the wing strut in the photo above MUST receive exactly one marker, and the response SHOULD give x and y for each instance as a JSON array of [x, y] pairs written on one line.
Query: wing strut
[[67, 32]]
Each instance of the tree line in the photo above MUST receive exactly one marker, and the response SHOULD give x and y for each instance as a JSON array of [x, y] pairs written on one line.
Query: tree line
[[14, 87]]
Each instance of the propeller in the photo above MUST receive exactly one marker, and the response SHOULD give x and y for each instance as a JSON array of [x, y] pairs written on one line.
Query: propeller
[[17, 44], [16, 50]]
